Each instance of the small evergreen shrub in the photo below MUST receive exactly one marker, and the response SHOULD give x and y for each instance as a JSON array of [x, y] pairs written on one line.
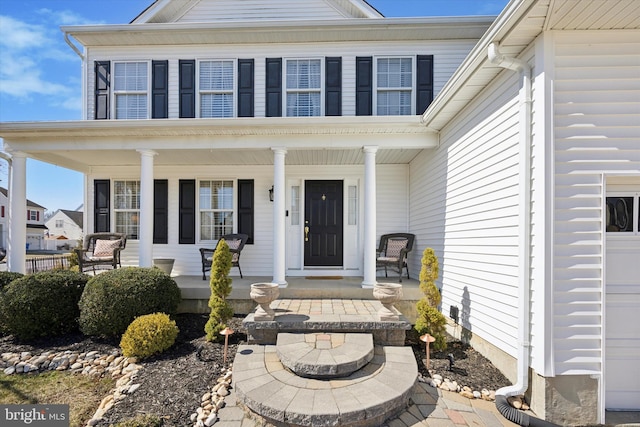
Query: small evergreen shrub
[[42, 304], [6, 277], [111, 300], [149, 334], [220, 284], [430, 320]]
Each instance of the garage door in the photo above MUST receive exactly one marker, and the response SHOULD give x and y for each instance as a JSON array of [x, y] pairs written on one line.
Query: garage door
[[622, 288]]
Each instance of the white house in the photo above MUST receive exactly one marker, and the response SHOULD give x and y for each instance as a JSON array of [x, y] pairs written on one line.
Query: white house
[[66, 226], [34, 223], [509, 145]]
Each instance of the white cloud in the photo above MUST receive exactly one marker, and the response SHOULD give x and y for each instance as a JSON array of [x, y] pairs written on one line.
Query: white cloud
[[29, 54]]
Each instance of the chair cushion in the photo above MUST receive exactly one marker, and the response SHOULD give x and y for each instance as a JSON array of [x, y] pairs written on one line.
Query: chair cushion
[[395, 246], [233, 244], [387, 259], [104, 248]]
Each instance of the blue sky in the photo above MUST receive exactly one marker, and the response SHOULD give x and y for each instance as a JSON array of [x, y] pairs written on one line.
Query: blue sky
[[40, 74]]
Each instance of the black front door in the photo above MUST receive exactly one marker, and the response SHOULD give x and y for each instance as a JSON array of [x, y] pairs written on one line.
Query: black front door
[[323, 223]]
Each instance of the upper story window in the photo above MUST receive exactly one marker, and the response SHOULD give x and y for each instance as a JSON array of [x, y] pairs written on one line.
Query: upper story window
[[59, 223], [394, 86], [303, 87], [126, 202], [216, 84], [216, 209], [33, 215], [130, 88]]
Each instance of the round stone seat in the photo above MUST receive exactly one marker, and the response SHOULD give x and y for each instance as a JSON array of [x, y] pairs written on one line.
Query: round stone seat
[[324, 355]]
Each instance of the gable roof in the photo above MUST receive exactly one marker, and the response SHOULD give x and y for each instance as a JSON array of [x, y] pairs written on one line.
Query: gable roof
[[75, 216], [29, 202], [165, 11]]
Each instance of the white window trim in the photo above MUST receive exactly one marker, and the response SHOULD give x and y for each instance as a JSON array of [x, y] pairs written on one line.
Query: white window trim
[[321, 90], [234, 207], [234, 91], [635, 220], [116, 210], [412, 90], [115, 93]]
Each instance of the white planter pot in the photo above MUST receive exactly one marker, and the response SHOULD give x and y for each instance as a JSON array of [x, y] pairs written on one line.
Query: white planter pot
[[388, 294], [264, 294]]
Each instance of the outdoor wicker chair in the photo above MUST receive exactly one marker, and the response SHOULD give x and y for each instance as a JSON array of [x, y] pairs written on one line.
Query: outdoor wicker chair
[[101, 250], [392, 253], [236, 243]]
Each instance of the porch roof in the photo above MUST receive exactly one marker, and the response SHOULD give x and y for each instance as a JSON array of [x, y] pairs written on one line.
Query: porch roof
[[82, 144]]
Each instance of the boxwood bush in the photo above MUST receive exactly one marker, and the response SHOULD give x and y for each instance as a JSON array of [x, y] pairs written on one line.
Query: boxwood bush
[[42, 304], [148, 335], [111, 300], [6, 277]]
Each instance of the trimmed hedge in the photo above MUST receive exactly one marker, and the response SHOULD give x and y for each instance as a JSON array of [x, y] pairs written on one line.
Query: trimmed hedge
[[148, 335], [6, 277], [113, 299], [42, 304]]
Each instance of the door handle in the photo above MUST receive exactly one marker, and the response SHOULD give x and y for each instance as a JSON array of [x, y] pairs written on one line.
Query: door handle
[[306, 233]]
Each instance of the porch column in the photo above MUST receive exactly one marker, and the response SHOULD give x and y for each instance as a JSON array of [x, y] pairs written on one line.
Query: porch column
[[279, 220], [369, 237], [17, 242], [145, 221]]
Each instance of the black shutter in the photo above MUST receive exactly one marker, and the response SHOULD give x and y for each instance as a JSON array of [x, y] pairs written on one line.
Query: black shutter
[[103, 79], [160, 211], [187, 88], [159, 89], [101, 206], [274, 87], [424, 82], [364, 86], [187, 212], [333, 86], [245, 87], [245, 208]]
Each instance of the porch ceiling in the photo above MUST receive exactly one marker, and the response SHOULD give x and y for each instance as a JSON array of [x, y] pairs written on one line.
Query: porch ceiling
[[81, 145]]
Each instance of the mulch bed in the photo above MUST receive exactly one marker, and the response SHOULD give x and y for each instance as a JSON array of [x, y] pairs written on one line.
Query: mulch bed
[[173, 383]]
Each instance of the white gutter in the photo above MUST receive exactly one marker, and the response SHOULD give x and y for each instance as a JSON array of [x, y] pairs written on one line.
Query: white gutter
[[73, 46], [524, 222]]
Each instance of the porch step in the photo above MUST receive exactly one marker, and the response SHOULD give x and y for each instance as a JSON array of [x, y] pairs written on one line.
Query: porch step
[[365, 398], [324, 355]]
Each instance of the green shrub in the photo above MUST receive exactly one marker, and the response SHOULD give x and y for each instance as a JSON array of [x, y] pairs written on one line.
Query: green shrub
[[148, 335], [220, 284], [111, 300], [430, 320], [6, 277], [42, 304]]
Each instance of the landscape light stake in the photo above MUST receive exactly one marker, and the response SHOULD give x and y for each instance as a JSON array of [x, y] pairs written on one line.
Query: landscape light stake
[[426, 338], [226, 332]]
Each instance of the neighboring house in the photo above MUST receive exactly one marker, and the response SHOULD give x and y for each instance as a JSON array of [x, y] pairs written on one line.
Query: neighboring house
[[34, 226], [527, 188], [65, 225]]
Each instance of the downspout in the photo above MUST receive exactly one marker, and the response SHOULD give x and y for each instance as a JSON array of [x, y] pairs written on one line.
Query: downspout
[[524, 237]]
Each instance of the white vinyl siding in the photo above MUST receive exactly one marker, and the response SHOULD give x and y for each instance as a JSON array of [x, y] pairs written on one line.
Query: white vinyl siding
[[232, 10], [464, 204], [447, 57], [216, 83], [130, 89], [597, 123]]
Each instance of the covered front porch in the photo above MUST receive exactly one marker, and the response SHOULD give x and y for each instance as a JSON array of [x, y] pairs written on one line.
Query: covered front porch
[[196, 292]]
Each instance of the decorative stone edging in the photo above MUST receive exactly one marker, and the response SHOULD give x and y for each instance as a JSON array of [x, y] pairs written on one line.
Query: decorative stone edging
[[90, 363], [212, 401], [438, 381]]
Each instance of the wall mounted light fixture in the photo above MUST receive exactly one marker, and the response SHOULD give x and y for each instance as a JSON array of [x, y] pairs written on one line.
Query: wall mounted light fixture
[[271, 194]]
